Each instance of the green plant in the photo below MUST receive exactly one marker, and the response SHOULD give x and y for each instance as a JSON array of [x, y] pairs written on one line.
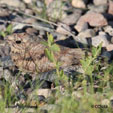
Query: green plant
[[7, 31]]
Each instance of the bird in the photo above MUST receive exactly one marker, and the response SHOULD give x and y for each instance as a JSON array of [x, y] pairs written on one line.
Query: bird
[[28, 54]]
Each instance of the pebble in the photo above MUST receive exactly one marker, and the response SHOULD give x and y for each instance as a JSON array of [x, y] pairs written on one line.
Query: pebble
[[7, 75], [108, 29], [47, 2], [72, 18], [110, 9], [45, 92], [63, 28], [95, 41], [78, 3], [87, 33], [100, 39], [28, 1], [16, 3], [40, 4], [110, 47], [55, 10], [100, 2], [98, 9], [6, 61], [29, 11], [105, 102], [81, 26], [94, 19]]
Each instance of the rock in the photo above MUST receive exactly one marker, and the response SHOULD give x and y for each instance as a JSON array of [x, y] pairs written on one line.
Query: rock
[[100, 2], [105, 102], [109, 30], [79, 3], [77, 94], [95, 41], [110, 47], [87, 33], [4, 12], [110, 9], [72, 18], [94, 19], [7, 75], [40, 4], [29, 11], [30, 20], [100, 39], [55, 10], [45, 92], [81, 27], [98, 9], [4, 50], [63, 28], [47, 2], [6, 61], [16, 3], [101, 33], [28, 1], [17, 26]]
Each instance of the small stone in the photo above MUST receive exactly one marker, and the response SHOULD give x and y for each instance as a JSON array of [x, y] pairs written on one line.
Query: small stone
[[29, 11], [109, 47], [7, 75], [95, 41], [100, 39], [63, 28], [81, 27], [72, 18], [101, 33], [44, 92], [110, 10], [78, 3], [77, 94], [40, 4], [87, 33], [4, 12], [105, 102], [98, 9], [100, 2], [55, 10], [28, 1], [109, 30], [16, 3], [94, 19], [47, 2], [30, 20]]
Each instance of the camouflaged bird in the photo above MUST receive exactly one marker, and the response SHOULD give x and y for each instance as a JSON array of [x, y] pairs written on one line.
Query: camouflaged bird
[[29, 54]]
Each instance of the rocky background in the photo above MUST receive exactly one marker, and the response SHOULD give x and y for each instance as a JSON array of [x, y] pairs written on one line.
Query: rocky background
[[87, 22]]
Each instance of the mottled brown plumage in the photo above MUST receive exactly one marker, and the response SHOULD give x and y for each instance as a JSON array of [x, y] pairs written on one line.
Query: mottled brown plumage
[[29, 54]]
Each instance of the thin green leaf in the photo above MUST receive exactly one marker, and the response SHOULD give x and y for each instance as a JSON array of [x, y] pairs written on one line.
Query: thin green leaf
[[50, 39], [44, 43], [55, 48], [9, 29], [3, 34], [49, 55]]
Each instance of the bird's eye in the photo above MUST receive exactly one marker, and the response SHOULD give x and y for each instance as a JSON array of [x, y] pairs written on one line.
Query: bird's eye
[[18, 42]]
